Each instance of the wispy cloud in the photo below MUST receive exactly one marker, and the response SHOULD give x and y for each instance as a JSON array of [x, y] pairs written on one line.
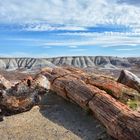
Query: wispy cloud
[[75, 13], [47, 27], [75, 47], [127, 49], [96, 34], [103, 41]]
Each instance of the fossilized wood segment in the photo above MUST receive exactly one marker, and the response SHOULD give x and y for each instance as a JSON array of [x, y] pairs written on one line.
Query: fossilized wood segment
[[121, 122], [73, 84], [24, 95], [129, 79], [115, 89]]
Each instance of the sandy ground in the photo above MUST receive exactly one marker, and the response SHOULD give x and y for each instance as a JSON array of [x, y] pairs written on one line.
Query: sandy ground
[[55, 119]]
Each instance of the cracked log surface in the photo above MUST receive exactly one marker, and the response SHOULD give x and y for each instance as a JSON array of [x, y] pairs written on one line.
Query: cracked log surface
[[22, 96], [98, 94]]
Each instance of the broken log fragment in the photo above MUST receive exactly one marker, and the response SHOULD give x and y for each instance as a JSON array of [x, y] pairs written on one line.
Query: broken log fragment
[[23, 96], [129, 79], [91, 93], [4, 84]]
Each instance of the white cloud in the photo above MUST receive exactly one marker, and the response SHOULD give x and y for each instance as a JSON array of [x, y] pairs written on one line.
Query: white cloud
[[73, 16], [118, 45], [47, 27], [73, 13], [96, 34], [106, 40], [99, 40], [127, 49], [72, 46]]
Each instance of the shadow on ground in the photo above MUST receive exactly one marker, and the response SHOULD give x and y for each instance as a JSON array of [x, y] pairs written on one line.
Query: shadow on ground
[[72, 117]]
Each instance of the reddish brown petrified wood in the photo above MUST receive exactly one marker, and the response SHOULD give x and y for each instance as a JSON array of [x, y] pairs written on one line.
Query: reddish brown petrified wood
[[101, 95]]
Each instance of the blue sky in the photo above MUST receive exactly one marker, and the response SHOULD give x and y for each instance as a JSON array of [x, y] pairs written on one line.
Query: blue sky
[[47, 28]]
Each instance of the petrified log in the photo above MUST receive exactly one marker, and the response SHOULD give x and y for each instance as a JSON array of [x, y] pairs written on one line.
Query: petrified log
[[129, 79], [115, 89], [121, 122], [23, 96]]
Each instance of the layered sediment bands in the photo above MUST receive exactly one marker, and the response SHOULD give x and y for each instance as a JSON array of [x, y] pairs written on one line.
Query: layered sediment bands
[[121, 122], [92, 61], [23, 63], [76, 61]]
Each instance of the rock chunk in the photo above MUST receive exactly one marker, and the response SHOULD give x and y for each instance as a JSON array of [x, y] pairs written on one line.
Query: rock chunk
[[129, 79], [4, 84]]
